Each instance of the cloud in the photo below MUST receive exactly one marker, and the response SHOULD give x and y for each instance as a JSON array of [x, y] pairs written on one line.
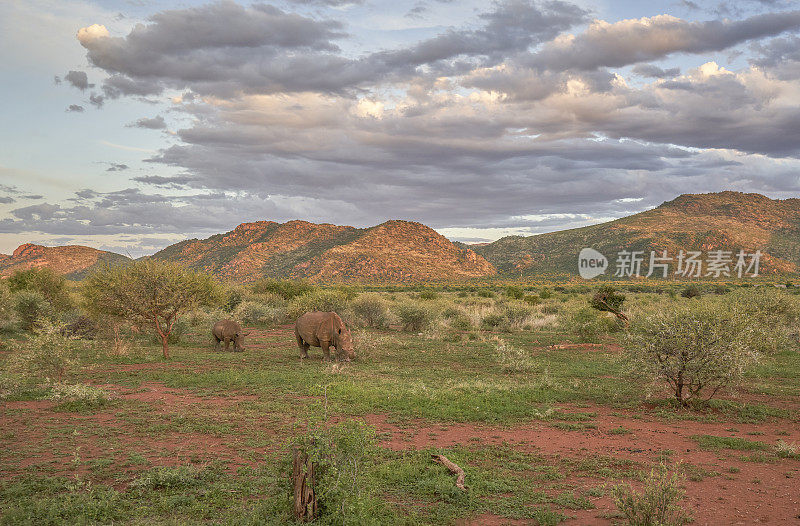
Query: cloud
[[618, 44], [653, 71], [156, 123], [262, 49], [97, 100], [117, 167], [74, 108], [78, 79], [7, 200]]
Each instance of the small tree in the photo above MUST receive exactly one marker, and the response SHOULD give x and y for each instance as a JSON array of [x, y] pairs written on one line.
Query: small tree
[[149, 292], [44, 281], [607, 299], [46, 355], [31, 306], [697, 348]]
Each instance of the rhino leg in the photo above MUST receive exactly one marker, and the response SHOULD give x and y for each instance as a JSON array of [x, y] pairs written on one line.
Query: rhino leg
[[326, 350], [227, 343], [216, 344], [303, 346]]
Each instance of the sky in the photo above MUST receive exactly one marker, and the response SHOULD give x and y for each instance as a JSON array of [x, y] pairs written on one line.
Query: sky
[[128, 125]]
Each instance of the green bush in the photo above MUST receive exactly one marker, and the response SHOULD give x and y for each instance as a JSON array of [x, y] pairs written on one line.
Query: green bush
[[325, 300], [486, 293], [515, 293], [532, 299], [31, 307], [428, 295], [692, 291], [232, 297], [586, 324], [257, 313], [7, 310], [371, 310], [696, 348], [774, 313], [47, 355], [545, 294], [287, 289], [414, 316], [461, 322], [515, 312], [45, 281], [343, 459], [492, 320], [658, 504]]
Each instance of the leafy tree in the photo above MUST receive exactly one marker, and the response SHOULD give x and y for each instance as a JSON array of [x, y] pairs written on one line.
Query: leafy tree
[[149, 292], [607, 299], [44, 281], [697, 348]]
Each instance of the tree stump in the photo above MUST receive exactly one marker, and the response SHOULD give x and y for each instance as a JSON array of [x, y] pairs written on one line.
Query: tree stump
[[303, 479]]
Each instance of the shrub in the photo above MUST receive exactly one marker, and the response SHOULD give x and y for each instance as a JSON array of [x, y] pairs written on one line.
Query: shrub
[[287, 289], [775, 316], [695, 348], [692, 291], [512, 359], [586, 324], [82, 395], [461, 322], [342, 458], [44, 281], [173, 477], [371, 310], [607, 299], [325, 300], [414, 316], [515, 293], [515, 312], [532, 299], [6, 307], [658, 502], [81, 327], [47, 354], [492, 321], [232, 297], [31, 306], [428, 295], [545, 294], [257, 313], [485, 293]]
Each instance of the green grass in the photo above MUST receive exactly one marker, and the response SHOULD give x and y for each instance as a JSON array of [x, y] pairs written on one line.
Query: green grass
[[735, 443]]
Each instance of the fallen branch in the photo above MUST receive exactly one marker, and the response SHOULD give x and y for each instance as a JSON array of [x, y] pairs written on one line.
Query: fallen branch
[[454, 469]]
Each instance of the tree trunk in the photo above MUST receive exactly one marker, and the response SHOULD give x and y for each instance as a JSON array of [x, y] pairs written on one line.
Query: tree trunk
[[164, 335], [303, 480]]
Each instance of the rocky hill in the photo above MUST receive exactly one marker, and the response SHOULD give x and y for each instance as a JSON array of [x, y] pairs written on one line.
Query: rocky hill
[[395, 251], [691, 222], [74, 261]]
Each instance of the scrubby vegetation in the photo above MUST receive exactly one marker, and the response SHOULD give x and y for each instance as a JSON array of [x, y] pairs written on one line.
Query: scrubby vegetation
[[448, 370]]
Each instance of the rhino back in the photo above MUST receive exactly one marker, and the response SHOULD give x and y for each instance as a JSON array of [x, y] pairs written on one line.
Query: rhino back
[[226, 329], [314, 327]]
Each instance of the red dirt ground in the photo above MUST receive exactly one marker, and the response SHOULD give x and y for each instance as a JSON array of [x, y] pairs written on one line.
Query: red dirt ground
[[760, 492]]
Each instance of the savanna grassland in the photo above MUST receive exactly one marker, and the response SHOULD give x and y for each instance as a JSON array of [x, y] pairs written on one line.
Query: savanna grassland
[[529, 389]]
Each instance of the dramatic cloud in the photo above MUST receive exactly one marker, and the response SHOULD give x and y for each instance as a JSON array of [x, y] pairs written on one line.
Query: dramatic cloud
[[627, 42], [506, 122]]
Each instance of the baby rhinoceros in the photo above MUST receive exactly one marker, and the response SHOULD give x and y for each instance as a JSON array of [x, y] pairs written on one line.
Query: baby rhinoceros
[[228, 331], [326, 330]]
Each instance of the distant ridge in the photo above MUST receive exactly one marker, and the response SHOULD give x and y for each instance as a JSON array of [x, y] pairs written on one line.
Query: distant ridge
[[716, 221], [73, 261], [394, 251]]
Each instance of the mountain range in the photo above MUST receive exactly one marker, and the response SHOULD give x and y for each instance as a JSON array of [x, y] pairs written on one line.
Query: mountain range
[[406, 251]]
